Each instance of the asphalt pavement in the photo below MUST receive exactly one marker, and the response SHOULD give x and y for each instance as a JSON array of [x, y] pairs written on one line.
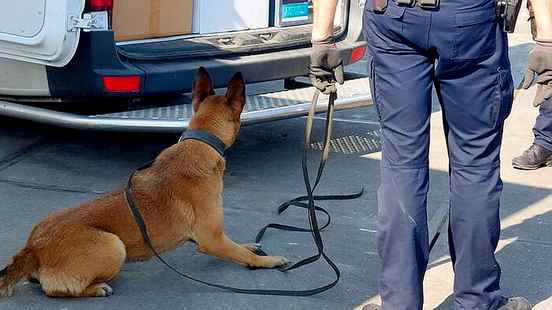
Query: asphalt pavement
[[43, 169]]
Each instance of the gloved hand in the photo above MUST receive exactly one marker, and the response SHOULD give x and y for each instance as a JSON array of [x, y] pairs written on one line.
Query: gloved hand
[[539, 70], [326, 66]]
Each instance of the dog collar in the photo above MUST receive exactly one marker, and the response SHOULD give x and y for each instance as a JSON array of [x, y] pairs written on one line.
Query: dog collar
[[205, 137]]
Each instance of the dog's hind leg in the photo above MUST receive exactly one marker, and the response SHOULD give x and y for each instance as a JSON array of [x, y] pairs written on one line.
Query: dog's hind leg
[[80, 266]]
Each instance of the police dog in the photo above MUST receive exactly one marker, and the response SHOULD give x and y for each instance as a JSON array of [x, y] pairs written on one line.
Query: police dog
[[74, 252]]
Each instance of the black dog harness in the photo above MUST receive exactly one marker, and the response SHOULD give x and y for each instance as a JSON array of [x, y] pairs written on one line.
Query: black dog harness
[[306, 202]]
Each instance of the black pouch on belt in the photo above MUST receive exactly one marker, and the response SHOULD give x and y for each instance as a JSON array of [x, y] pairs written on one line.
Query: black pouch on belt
[[379, 6], [508, 10]]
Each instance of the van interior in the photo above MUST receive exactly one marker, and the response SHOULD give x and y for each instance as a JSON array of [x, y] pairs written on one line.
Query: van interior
[[177, 29]]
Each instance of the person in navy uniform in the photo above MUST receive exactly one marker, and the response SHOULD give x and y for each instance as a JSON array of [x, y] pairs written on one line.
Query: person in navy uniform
[[539, 71], [458, 48]]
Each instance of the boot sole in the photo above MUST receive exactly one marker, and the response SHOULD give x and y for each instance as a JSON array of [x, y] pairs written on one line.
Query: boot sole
[[547, 163]]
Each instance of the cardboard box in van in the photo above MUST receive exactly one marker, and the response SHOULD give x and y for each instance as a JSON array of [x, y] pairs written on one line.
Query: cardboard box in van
[[143, 19]]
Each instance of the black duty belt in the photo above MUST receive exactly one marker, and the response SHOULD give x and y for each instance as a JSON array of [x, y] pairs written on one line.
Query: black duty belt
[[379, 6], [424, 4], [307, 202]]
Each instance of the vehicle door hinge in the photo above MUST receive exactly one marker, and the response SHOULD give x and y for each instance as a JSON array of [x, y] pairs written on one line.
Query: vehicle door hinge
[[95, 21]]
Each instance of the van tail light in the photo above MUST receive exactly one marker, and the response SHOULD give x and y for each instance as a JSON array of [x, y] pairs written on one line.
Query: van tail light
[[358, 53], [122, 84], [99, 5]]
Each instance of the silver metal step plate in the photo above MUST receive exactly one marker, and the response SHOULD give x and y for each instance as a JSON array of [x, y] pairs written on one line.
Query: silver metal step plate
[[259, 108], [367, 143]]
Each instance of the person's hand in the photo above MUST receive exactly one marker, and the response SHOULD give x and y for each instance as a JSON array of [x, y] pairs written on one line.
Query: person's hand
[[539, 71], [326, 66]]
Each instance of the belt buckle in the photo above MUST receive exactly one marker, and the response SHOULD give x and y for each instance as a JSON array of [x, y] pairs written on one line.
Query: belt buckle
[[428, 4], [409, 3]]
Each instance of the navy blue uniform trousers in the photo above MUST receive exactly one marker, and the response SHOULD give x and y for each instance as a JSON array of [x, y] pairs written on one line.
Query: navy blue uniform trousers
[[543, 126], [461, 52]]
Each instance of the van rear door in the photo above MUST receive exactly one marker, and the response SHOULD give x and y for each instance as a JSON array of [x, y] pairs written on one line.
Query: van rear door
[[41, 31]]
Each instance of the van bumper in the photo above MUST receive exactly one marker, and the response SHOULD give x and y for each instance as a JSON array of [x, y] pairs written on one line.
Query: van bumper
[[97, 57]]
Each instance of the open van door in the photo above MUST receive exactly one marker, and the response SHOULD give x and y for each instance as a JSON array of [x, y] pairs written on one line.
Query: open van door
[[43, 31]]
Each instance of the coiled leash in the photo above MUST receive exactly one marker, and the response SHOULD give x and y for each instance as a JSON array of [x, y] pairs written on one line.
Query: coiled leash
[[307, 202]]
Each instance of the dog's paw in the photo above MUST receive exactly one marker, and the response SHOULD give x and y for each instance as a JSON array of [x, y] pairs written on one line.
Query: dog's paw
[[5, 290], [101, 290], [275, 261], [282, 261]]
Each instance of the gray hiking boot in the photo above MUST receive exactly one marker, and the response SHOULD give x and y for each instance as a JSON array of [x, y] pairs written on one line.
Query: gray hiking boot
[[533, 158], [515, 303], [511, 303]]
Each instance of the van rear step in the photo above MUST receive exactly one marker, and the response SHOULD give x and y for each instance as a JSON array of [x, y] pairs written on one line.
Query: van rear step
[[173, 119]]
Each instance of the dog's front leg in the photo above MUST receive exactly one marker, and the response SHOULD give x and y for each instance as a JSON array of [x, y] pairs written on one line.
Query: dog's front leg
[[211, 239], [224, 248]]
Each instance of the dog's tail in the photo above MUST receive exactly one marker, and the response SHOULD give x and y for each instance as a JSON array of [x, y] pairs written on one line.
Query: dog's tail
[[23, 265]]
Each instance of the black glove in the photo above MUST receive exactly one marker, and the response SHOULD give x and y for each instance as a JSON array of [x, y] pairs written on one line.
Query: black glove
[[539, 70], [326, 66]]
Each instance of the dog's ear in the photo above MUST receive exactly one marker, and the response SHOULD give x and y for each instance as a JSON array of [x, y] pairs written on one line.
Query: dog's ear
[[203, 87], [235, 94]]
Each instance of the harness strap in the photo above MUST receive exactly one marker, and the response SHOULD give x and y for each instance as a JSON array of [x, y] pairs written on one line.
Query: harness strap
[[310, 198]]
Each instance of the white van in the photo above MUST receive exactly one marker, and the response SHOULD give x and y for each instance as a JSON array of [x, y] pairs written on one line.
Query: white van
[[70, 50]]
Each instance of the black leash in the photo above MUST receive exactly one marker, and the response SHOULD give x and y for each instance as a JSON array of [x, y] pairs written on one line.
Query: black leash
[[310, 198]]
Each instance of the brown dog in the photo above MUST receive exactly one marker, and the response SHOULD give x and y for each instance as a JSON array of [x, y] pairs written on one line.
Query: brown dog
[[74, 252]]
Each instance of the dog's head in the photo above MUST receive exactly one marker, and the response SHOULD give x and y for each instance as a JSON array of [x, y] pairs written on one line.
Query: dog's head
[[220, 115]]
